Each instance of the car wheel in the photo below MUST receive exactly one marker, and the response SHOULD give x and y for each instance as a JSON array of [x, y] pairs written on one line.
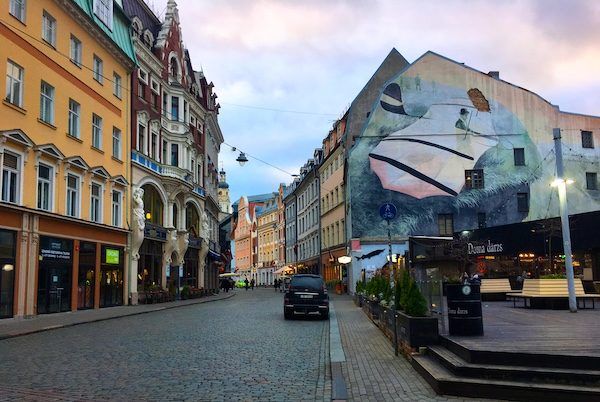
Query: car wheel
[[288, 314]]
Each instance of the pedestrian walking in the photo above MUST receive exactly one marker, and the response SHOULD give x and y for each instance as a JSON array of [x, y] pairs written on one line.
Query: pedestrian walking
[[246, 283], [276, 284], [252, 283]]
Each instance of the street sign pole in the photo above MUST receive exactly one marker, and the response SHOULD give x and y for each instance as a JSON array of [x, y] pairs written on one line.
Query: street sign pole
[[388, 212]]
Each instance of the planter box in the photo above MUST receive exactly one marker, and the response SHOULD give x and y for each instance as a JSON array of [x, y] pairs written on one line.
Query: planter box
[[374, 310], [386, 322], [416, 331]]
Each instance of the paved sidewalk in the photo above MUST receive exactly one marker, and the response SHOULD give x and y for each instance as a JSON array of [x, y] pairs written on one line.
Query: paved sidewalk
[[12, 327], [371, 371]]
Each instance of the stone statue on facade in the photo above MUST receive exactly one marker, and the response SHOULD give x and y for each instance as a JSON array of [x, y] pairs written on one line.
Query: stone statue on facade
[[170, 246], [183, 241], [205, 235], [138, 223]]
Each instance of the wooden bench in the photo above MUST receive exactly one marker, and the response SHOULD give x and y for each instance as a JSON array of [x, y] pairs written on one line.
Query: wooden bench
[[495, 289], [541, 293]]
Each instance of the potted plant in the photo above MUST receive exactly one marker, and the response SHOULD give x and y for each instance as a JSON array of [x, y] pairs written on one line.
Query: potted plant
[[338, 287], [414, 326]]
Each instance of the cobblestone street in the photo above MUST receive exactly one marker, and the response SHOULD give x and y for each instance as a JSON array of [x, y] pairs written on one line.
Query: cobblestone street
[[235, 349]]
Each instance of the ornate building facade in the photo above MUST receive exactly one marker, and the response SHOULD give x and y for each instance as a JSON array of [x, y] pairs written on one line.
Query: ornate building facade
[[175, 139]]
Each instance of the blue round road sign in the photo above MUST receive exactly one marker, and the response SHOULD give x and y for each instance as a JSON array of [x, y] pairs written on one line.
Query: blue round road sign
[[388, 211]]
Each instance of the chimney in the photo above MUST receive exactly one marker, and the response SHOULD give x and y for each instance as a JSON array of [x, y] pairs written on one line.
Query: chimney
[[494, 74]]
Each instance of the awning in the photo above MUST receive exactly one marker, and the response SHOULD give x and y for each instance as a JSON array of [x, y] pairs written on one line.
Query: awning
[[214, 256], [285, 270]]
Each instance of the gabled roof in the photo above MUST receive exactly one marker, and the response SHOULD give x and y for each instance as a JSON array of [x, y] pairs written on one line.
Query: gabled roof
[[17, 135], [50, 150], [78, 162], [100, 172], [120, 179]]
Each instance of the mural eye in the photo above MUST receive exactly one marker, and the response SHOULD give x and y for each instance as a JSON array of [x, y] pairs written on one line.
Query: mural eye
[[391, 100]]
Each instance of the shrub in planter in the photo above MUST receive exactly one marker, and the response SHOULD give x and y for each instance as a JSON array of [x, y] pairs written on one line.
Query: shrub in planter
[[416, 306], [185, 292]]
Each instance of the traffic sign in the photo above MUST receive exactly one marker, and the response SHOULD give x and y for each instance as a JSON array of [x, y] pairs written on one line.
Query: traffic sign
[[388, 211]]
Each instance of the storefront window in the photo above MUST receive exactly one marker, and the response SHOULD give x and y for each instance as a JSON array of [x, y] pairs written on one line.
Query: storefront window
[[87, 270], [192, 218], [111, 276], [153, 205], [150, 265], [54, 275], [190, 268], [7, 272]]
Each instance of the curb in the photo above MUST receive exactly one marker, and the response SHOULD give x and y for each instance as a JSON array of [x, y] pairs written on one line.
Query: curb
[[58, 326], [339, 392]]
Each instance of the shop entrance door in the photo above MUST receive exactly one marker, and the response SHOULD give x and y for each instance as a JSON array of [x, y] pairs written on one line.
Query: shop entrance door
[[54, 289], [111, 287]]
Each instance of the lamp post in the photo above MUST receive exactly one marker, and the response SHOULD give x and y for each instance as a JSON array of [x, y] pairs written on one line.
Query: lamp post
[[561, 183]]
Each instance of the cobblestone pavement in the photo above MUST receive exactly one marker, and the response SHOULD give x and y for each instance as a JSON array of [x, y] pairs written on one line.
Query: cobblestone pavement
[[235, 349], [371, 371]]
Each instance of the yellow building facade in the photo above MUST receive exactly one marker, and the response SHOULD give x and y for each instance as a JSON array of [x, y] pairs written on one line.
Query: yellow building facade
[[64, 123]]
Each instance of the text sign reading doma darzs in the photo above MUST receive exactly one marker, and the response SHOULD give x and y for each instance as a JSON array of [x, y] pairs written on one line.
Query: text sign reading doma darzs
[[490, 247]]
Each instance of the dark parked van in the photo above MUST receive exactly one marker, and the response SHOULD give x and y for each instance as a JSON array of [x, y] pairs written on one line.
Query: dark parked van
[[306, 294]]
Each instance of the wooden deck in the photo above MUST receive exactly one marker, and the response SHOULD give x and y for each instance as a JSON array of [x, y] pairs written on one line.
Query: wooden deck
[[555, 332]]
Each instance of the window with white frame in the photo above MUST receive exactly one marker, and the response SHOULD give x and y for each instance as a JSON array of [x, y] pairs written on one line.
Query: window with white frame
[[96, 131], [116, 143], [165, 150], [11, 177], [76, 51], [74, 116], [103, 9], [117, 85], [154, 145], [44, 187], [47, 103], [17, 9], [116, 208], [141, 143], [73, 188], [98, 69], [14, 83], [49, 28], [96, 202]]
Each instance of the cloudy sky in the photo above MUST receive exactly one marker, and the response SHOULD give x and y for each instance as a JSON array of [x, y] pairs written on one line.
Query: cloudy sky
[[285, 70]]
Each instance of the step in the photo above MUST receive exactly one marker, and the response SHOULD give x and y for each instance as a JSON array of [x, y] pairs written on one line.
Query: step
[[446, 383], [554, 360], [460, 367]]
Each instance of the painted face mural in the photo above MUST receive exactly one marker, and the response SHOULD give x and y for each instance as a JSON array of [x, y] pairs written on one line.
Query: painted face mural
[[428, 147]]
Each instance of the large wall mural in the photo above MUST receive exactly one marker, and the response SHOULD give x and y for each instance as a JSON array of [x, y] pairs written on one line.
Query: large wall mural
[[421, 137]]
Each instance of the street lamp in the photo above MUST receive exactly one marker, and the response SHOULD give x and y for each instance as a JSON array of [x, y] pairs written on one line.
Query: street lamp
[[242, 158], [561, 183], [344, 259]]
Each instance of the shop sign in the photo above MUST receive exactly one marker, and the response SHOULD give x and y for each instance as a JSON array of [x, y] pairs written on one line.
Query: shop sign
[[112, 256], [55, 252], [479, 249]]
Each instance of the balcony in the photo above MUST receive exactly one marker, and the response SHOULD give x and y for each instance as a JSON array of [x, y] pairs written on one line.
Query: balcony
[[177, 173], [167, 171], [175, 126]]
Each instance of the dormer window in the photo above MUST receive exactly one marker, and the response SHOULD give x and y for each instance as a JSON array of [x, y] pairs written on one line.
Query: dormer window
[[148, 40], [103, 9], [137, 28]]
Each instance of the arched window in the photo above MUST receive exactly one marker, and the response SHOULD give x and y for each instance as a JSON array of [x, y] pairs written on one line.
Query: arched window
[[192, 218], [175, 216], [153, 205], [174, 68]]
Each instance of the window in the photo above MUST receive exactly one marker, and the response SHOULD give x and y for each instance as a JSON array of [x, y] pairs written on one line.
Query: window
[[116, 208], [141, 138], [47, 103], [174, 155], [14, 84], [116, 143], [587, 139], [165, 149], [76, 51], [49, 28], [481, 220], [154, 146], [98, 69], [164, 107], [141, 89], [72, 195], [17, 9], [117, 89], [10, 178], [104, 11], [446, 224], [96, 202], [474, 178], [519, 156], [74, 109], [44, 196], [523, 202], [96, 131], [591, 180], [174, 108]]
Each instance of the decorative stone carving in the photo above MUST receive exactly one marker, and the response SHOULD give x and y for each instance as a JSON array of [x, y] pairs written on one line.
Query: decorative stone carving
[[202, 256], [170, 246], [204, 228], [183, 241], [138, 223]]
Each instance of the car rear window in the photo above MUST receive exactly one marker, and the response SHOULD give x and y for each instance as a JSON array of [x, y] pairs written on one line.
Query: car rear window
[[307, 282]]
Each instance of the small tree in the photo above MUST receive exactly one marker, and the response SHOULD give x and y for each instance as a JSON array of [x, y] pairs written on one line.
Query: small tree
[[405, 282], [416, 305]]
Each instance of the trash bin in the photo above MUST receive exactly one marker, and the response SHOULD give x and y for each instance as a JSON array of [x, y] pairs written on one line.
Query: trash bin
[[464, 309]]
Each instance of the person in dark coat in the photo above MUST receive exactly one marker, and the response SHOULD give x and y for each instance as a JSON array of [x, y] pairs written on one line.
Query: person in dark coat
[[276, 284], [246, 284], [252, 283]]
